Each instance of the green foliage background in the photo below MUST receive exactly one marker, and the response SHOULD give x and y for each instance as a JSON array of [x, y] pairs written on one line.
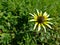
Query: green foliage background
[[15, 28]]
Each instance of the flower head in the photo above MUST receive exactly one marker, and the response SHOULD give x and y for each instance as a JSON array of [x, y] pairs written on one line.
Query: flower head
[[41, 19]]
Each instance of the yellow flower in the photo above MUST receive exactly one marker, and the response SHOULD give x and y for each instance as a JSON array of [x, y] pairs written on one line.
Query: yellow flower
[[41, 20]]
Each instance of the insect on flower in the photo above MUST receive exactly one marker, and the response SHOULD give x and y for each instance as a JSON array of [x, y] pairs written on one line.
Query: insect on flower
[[41, 20]]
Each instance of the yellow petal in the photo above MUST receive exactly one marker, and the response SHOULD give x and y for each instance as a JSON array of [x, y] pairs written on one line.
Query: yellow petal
[[43, 27], [32, 20], [45, 17], [39, 27], [48, 26], [35, 16], [35, 25], [49, 23], [49, 19], [48, 15], [31, 14], [45, 14], [40, 14], [37, 11]]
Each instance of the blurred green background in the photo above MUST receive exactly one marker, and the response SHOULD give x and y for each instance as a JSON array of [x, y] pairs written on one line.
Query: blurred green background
[[15, 28]]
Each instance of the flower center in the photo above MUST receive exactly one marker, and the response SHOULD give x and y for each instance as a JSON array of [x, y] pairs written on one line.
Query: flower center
[[40, 19]]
